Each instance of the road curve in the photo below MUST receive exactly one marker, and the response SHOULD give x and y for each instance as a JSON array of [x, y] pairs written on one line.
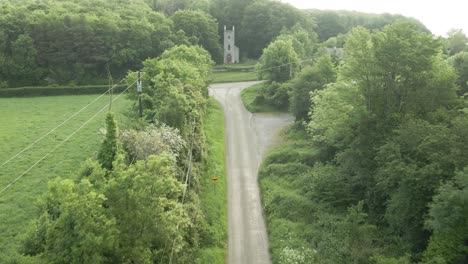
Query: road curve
[[247, 138]]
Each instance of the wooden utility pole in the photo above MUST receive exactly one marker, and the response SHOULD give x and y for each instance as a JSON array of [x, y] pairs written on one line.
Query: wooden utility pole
[[139, 89]]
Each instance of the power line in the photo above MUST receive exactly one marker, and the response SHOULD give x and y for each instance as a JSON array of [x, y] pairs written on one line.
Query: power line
[[62, 142], [61, 124], [189, 165]]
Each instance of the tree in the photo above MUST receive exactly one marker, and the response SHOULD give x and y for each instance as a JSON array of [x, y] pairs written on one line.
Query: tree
[[202, 27], [304, 42], [310, 79], [399, 72], [133, 216], [73, 226], [153, 140], [263, 21], [109, 147], [330, 25], [144, 199], [62, 42], [279, 61], [447, 219], [460, 62], [335, 113], [411, 166], [457, 41]]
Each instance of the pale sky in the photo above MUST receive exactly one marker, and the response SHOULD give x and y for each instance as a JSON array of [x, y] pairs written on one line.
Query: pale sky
[[439, 16]]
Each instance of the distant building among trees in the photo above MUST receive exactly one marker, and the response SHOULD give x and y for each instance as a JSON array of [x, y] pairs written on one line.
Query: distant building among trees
[[231, 51]]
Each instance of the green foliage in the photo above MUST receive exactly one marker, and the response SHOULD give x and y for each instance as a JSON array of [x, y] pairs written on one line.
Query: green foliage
[[31, 118], [399, 72], [129, 217], [460, 63], [335, 112], [456, 41], [279, 61], [310, 79], [304, 42], [306, 229], [109, 147], [262, 22], [62, 42], [176, 90], [447, 220], [73, 226], [388, 260], [213, 198], [332, 23], [153, 140], [383, 137], [254, 100], [202, 27]]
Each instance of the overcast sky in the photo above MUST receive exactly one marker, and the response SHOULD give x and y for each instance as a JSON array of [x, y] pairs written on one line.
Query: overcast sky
[[439, 16]]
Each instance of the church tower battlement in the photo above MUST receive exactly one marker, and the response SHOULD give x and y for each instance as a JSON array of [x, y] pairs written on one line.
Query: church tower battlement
[[231, 51]]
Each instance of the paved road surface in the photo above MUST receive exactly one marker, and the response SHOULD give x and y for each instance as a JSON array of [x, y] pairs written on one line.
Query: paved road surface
[[247, 138]]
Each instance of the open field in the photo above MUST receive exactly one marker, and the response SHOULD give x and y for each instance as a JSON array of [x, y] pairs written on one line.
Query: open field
[[229, 76], [213, 196], [23, 121], [234, 72]]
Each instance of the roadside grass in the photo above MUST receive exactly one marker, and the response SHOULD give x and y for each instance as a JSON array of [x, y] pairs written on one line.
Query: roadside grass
[[287, 210], [231, 76], [23, 121], [253, 102], [213, 196]]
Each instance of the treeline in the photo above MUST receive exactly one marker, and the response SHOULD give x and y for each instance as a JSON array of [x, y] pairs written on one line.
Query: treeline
[[332, 23], [137, 200], [83, 42], [375, 169], [76, 42]]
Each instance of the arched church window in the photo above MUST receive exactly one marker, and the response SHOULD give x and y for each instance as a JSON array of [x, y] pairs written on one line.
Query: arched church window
[[229, 46]]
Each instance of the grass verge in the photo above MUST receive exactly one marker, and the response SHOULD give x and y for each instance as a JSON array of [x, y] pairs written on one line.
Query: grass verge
[[213, 196], [251, 100], [239, 72], [23, 121], [286, 208], [233, 76]]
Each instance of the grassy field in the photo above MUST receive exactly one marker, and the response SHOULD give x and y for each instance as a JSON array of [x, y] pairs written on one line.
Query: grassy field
[[228, 76], [248, 96], [24, 120], [213, 196], [234, 72]]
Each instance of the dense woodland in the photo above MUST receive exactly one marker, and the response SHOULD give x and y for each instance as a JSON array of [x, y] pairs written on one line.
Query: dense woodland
[[87, 42], [375, 169]]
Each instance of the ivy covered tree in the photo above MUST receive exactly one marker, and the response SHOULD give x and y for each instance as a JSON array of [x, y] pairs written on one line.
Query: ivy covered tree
[[110, 146]]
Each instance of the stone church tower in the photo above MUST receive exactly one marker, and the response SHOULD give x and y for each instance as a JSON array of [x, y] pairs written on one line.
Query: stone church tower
[[231, 52]]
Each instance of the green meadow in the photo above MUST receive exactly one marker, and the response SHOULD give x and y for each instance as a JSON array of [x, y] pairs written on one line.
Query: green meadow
[[25, 120]]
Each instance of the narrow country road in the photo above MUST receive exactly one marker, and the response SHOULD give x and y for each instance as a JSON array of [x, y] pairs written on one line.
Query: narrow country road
[[247, 138]]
